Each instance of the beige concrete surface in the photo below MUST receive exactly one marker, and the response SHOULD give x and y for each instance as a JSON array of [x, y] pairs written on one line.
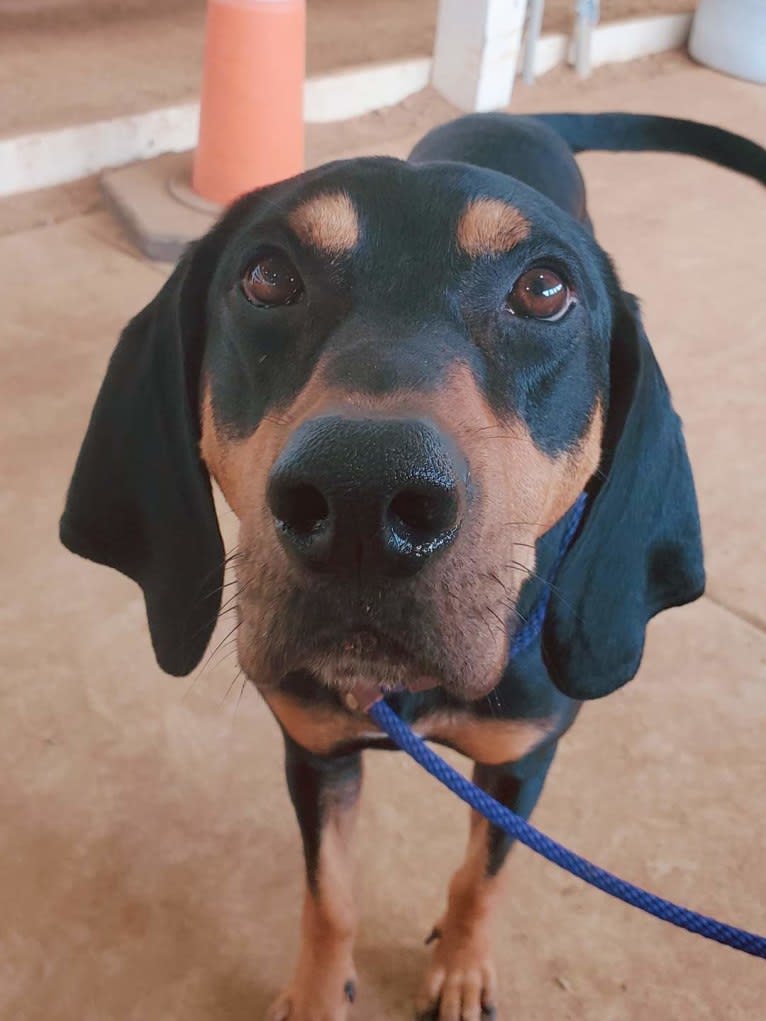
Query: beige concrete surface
[[141, 54], [150, 862]]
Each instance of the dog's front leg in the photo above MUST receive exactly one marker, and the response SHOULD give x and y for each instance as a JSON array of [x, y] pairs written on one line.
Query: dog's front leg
[[460, 983], [324, 791]]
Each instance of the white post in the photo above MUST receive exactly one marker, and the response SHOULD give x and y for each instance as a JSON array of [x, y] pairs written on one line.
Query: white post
[[476, 51], [534, 28], [588, 14]]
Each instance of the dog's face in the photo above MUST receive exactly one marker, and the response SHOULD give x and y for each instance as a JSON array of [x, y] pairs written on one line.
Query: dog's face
[[401, 376], [404, 384]]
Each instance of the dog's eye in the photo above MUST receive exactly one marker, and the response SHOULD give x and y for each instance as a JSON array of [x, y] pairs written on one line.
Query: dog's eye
[[272, 280], [539, 293]]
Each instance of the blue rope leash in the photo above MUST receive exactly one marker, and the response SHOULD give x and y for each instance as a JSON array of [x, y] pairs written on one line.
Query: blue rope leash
[[515, 826]]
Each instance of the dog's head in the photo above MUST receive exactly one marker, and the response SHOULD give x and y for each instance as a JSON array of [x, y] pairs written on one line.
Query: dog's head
[[400, 376]]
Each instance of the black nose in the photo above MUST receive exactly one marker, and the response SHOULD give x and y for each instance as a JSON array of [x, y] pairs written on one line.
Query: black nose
[[379, 495]]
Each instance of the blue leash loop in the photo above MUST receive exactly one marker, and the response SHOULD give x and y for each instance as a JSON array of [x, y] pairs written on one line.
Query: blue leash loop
[[502, 817], [515, 826]]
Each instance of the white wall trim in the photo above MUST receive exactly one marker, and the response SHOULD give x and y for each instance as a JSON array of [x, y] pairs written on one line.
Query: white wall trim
[[45, 158], [550, 51], [359, 90], [618, 41]]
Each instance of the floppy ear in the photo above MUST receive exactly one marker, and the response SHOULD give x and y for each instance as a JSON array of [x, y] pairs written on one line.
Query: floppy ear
[[640, 549], [140, 498]]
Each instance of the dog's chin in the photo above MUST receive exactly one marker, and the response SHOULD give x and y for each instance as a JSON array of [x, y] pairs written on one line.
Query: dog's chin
[[359, 682], [366, 680], [356, 657], [366, 669]]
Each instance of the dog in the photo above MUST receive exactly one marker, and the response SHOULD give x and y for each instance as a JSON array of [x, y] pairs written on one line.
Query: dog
[[402, 375]]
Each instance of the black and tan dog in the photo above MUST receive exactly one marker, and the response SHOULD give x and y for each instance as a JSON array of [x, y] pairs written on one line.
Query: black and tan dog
[[402, 375]]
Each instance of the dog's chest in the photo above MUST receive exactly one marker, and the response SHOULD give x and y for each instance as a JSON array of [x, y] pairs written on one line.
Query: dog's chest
[[326, 730]]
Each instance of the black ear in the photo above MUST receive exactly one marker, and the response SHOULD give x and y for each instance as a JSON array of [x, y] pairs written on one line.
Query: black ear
[[140, 498], [640, 549]]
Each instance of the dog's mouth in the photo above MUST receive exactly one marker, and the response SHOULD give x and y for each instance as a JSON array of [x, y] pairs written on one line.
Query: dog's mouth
[[363, 663], [362, 639], [362, 642]]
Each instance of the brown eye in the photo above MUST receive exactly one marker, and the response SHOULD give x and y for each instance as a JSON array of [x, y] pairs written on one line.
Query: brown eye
[[539, 293], [272, 280]]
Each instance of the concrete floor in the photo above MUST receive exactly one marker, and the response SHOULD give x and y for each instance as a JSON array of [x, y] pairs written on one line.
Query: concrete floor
[[150, 862], [136, 55]]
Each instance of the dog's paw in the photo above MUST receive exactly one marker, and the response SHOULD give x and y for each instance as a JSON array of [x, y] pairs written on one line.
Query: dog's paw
[[460, 983], [321, 999]]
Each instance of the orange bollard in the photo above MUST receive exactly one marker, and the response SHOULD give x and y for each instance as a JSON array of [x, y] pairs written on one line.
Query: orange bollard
[[251, 116]]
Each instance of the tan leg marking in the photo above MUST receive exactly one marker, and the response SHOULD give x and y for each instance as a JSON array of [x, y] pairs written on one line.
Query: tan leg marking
[[323, 985], [461, 981]]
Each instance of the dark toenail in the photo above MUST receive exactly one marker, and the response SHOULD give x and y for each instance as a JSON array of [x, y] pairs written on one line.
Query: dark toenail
[[350, 990], [435, 934], [489, 1013]]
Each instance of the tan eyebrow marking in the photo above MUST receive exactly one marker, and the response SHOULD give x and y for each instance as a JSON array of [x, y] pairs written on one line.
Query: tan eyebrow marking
[[490, 227], [328, 221]]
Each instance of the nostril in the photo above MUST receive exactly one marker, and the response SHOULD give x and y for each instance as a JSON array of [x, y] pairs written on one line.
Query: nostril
[[300, 507], [352, 495], [417, 511], [421, 515]]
